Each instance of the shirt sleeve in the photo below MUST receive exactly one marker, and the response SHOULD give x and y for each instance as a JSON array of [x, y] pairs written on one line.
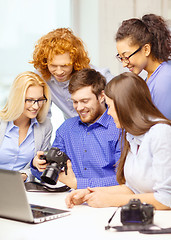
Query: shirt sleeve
[[59, 142], [94, 182], [35, 172], [161, 149], [162, 96], [44, 146], [47, 135]]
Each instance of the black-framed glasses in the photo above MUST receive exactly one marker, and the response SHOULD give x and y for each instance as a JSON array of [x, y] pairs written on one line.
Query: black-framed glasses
[[126, 59], [40, 102]]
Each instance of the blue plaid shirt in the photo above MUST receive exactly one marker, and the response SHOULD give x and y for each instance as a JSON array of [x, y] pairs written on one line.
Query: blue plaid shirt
[[93, 150]]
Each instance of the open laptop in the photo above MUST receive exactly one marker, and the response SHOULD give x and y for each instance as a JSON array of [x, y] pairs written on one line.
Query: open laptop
[[14, 204]]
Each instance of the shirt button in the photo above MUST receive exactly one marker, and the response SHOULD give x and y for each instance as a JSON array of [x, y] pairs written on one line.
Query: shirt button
[[85, 168], [88, 133], [85, 150]]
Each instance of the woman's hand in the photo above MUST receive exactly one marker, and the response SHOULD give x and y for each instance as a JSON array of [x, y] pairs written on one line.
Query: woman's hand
[[98, 198]]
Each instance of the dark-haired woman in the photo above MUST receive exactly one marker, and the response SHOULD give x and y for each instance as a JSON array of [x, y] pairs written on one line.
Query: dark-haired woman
[[145, 163], [145, 44]]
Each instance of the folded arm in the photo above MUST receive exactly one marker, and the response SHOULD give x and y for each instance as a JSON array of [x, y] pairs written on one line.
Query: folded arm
[[115, 196]]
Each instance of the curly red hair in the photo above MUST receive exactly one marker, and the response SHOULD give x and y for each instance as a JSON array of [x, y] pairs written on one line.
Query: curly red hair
[[59, 41]]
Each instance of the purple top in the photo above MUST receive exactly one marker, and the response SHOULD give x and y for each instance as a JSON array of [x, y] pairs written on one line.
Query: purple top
[[160, 87]]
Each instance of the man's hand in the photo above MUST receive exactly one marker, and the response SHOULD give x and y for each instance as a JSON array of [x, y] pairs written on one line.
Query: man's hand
[[69, 179], [76, 197], [40, 164]]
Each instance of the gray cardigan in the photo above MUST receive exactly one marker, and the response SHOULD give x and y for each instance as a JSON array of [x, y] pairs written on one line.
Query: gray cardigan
[[42, 135]]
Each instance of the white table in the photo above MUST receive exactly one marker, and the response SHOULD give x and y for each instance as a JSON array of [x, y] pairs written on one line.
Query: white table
[[84, 223]]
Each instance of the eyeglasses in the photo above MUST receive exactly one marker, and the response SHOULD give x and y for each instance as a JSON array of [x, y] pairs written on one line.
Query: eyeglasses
[[126, 59], [31, 102]]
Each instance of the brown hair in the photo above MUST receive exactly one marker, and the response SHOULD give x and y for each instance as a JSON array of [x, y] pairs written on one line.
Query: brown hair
[[150, 29], [59, 41], [134, 108], [87, 77]]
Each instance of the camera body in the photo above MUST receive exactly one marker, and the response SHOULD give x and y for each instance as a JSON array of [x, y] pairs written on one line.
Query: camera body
[[57, 161], [136, 212]]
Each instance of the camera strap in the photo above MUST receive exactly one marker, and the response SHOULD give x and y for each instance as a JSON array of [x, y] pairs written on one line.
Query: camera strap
[[156, 231], [40, 187], [145, 229], [110, 219]]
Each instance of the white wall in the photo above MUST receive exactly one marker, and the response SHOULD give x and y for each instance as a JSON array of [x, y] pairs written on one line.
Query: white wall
[[96, 22], [22, 23], [85, 23]]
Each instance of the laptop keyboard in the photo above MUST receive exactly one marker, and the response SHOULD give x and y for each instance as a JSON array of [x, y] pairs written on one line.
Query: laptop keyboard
[[40, 214]]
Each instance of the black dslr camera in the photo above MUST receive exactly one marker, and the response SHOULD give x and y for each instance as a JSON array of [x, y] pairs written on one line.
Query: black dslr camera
[[57, 161], [136, 212]]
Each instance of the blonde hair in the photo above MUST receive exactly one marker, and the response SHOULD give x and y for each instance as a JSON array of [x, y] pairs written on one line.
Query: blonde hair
[[59, 41], [14, 106]]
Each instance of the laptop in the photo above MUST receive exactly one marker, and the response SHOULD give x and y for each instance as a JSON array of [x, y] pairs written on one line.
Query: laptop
[[14, 204]]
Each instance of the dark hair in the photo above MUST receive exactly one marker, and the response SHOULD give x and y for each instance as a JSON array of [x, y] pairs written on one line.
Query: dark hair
[[87, 77], [150, 29], [134, 108]]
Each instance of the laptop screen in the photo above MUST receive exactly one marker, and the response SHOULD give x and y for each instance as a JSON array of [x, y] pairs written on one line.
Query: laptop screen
[[14, 203]]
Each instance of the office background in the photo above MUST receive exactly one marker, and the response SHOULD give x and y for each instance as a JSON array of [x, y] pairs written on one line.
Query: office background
[[22, 23]]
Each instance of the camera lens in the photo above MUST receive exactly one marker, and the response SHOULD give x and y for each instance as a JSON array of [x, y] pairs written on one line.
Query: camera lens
[[56, 161], [50, 175]]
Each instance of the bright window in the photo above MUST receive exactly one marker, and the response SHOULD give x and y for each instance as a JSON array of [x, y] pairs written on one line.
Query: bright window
[[22, 23]]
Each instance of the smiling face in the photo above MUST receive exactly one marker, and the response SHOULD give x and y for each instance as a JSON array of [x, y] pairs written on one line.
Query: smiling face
[[87, 105], [112, 111], [32, 93], [139, 60], [60, 67]]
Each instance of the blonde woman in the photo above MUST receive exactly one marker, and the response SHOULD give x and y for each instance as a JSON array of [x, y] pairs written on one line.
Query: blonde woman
[[24, 128]]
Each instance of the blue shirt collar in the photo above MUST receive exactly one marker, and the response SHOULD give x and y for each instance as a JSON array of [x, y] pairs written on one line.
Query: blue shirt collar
[[34, 121], [103, 120], [11, 124]]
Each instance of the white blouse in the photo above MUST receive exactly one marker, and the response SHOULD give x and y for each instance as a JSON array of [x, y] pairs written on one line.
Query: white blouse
[[148, 164]]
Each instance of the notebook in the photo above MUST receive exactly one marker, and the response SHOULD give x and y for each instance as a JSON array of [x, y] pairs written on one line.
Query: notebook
[[14, 204]]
